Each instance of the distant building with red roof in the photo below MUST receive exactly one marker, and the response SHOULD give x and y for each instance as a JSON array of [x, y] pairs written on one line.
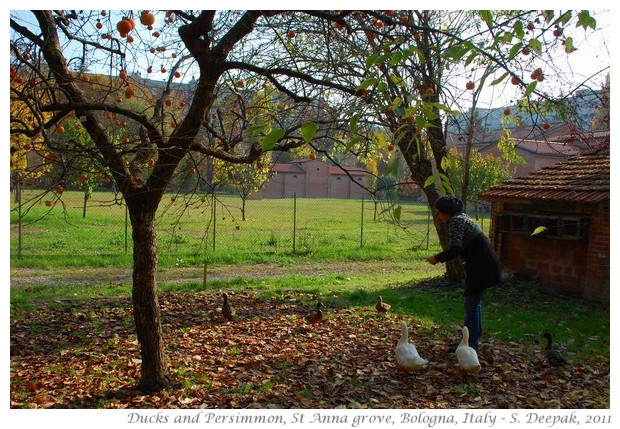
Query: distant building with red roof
[[314, 178]]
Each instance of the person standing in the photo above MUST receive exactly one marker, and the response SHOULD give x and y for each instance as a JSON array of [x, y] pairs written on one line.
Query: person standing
[[482, 266]]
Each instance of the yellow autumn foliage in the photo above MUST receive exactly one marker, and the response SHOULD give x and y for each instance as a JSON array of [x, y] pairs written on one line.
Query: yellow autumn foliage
[[29, 158]]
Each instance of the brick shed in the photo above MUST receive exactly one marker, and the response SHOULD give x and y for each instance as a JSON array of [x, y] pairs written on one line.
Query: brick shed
[[572, 201]]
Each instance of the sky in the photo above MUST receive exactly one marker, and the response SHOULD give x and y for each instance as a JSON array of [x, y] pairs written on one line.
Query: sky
[[591, 56], [589, 63]]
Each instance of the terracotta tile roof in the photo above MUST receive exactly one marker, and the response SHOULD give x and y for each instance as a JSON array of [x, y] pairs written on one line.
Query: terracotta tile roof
[[288, 168], [299, 167], [558, 140], [334, 170], [542, 148], [583, 178]]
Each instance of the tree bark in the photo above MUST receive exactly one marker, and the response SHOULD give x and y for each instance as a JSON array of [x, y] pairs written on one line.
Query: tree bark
[[421, 168], [146, 311]]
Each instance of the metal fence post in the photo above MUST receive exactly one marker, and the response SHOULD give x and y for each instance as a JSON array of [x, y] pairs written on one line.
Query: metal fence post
[[19, 218], [126, 225], [362, 226], [294, 219], [214, 220]]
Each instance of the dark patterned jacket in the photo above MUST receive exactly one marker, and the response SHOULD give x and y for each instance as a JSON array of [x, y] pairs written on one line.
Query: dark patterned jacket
[[467, 241]]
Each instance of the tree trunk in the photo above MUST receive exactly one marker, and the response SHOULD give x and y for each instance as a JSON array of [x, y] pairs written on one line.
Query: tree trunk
[[421, 169], [146, 311], [454, 269]]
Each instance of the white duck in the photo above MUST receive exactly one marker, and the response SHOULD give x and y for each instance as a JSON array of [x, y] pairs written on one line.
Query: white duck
[[467, 356], [407, 356]]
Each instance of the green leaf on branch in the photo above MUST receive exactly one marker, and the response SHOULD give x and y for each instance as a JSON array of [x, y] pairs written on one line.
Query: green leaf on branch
[[548, 15], [421, 122], [269, 141], [445, 163], [353, 122], [396, 102], [371, 60], [487, 16], [443, 107], [382, 86], [535, 45], [568, 45], [397, 80], [518, 29], [429, 181], [471, 57], [351, 143], [446, 185], [380, 139], [530, 88], [392, 169], [308, 131], [396, 58], [505, 38], [421, 56], [255, 131], [429, 112], [499, 79], [514, 51], [383, 58], [585, 20], [565, 18], [457, 52], [368, 82]]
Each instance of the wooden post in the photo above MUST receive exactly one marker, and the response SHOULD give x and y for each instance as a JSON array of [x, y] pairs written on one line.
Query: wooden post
[[204, 276]]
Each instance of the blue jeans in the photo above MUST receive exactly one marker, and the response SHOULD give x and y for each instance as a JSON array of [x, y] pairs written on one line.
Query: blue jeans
[[473, 318]]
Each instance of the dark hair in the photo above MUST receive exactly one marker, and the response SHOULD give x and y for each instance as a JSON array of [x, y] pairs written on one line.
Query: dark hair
[[449, 204]]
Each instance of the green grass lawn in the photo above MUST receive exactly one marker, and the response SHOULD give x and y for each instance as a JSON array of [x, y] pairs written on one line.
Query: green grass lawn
[[337, 259], [192, 229]]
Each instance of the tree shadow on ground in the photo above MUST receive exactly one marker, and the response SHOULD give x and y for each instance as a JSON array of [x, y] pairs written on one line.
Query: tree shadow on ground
[[269, 357]]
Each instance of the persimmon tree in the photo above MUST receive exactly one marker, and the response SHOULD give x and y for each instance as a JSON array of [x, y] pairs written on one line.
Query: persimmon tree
[[222, 50], [412, 69], [329, 73]]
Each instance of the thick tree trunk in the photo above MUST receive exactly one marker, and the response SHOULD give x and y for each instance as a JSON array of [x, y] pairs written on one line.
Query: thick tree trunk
[[454, 269], [421, 169], [146, 311]]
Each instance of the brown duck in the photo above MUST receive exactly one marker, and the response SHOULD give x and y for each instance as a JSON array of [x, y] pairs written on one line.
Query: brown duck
[[381, 306], [227, 311], [553, 356], [316, 315]]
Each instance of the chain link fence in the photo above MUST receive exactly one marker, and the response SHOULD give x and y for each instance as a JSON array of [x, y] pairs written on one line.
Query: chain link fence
[[202, 226]]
